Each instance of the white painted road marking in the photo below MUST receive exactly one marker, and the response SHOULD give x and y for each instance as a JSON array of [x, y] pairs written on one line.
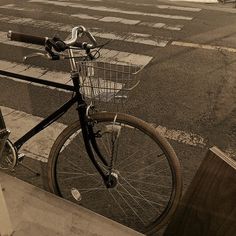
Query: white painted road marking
[[113, 56], [162, 26], [37, 72], [63, 78], [120, 57], [119, 20], [59, 77], [159, 25], [169, 7], [113, 10], [20, 122], [182, 136], [204, 1], [127, 37], [203, 46], [39, 146]]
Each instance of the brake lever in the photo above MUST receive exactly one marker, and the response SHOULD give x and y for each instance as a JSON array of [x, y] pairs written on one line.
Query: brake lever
[[54, 56], [37, 54]]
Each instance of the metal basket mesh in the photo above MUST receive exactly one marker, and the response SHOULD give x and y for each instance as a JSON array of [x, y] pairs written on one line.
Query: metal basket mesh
[[107, 82]]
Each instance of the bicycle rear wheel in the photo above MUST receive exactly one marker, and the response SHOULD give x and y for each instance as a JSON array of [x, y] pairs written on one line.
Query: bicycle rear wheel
[[147, 179]]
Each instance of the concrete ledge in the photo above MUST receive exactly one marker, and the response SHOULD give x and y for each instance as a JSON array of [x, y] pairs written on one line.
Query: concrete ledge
[[208, 206], [34, 211]]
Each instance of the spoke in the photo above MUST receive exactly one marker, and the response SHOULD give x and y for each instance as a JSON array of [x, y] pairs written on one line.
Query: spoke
[[71, 178], [137, 192], [105, 147], [144, 158], [86, 190], [73, 173], [76, 167], [128, 158], [131, 208], [147, 183], [109, 148], [131, 195], [144, 168], [152, 193], [69, 195], [137, 151], [135, 196], [142, 175], [75, 143], [117, 202], [78, 175], [82, 171], [79, 148]]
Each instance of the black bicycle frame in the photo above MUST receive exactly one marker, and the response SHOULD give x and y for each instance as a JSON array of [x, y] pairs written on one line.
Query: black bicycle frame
[[86, 123]]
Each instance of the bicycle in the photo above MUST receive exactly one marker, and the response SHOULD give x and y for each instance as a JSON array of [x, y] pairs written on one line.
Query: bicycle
[[112, 163]]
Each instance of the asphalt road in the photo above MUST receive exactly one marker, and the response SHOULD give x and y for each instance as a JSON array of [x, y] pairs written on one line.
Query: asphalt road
[[187, 90]]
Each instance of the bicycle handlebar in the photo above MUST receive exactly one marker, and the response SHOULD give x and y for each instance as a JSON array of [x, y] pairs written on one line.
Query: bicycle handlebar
[[75, 34], [73, 41], [26, 38]]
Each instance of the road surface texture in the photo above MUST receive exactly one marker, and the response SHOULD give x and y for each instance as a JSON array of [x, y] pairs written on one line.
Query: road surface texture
[[187, 88]]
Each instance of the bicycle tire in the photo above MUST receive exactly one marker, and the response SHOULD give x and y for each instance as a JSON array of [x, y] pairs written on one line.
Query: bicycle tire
[[138, 195]]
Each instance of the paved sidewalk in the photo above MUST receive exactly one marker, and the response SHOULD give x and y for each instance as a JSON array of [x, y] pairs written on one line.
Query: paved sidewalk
[[36, 212]]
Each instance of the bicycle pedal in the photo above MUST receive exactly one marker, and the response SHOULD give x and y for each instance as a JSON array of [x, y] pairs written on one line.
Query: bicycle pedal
[[21, 157]]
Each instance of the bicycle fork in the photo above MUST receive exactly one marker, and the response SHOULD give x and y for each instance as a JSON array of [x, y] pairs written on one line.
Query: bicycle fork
[[110, 179], [90, 142]]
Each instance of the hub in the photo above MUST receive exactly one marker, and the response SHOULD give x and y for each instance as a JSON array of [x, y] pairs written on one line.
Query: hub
[[112, 180]]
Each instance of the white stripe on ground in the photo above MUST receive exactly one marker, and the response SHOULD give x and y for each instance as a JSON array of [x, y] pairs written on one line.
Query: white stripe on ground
[[114, 10], [118, 20], [162, 26], [182, 136], [205, 1], [113, 56], [19, 123], [169, 7], [127, 37], [105, 86], [37, 72], [159, 25], [38, 147], [203, 46], [106, 90]]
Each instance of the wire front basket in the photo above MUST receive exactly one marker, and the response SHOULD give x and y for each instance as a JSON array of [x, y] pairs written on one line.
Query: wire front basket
[[107, 82]]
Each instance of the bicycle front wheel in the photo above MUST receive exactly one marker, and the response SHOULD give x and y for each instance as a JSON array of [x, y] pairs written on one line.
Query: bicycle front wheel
[[146, 172]]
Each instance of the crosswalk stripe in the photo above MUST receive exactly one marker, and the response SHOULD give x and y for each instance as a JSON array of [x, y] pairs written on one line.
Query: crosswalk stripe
[[113, 56], [205, 1], [58, 77], [128, 37], [203, 46], [118, 20], [162, 26], [39, 146], [113, 10], [159, 25], [19, 122], [161, 6], [37, 72]]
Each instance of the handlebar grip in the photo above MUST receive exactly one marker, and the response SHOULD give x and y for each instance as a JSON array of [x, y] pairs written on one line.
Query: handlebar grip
[[16, 36]]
